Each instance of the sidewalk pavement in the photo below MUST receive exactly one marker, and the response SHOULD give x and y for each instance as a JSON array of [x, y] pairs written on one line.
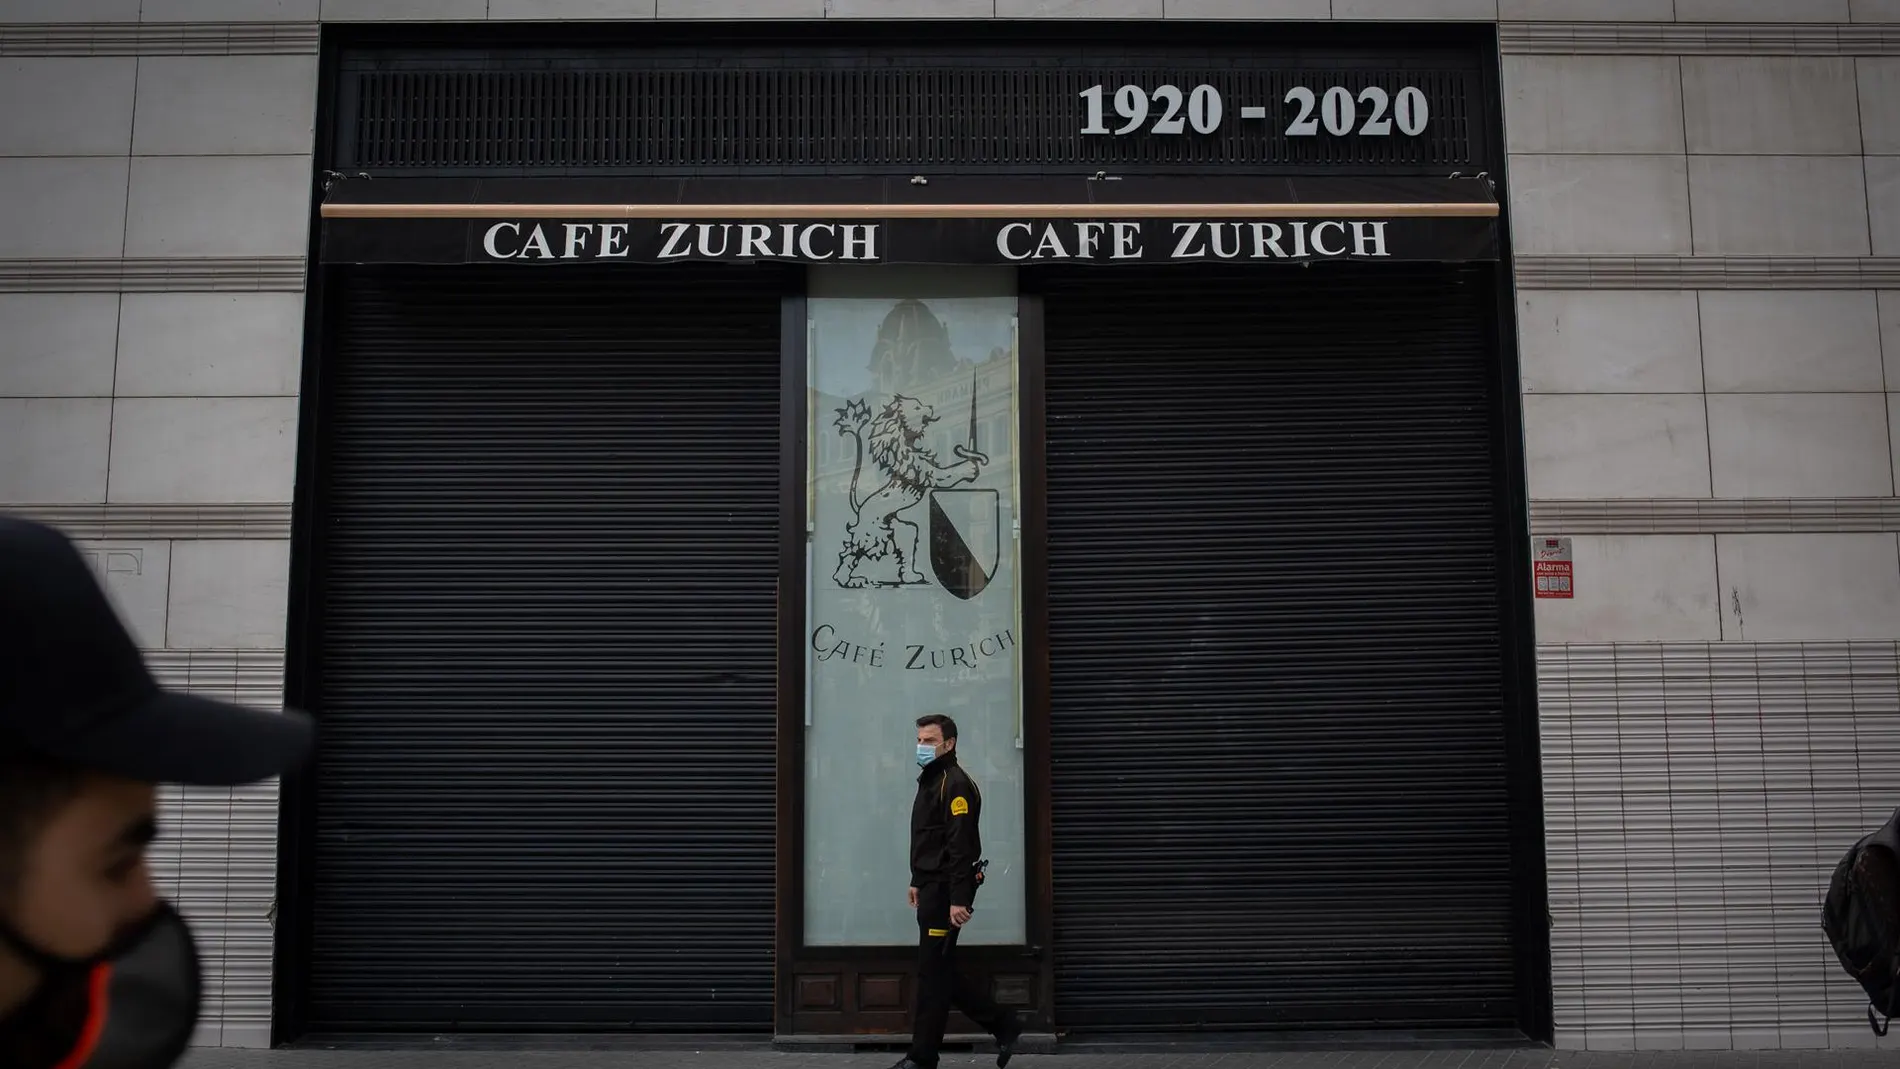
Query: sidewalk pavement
[[1100, 1058]]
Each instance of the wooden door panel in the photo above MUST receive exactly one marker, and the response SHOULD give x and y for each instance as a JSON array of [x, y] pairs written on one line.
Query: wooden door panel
[[872, 996]]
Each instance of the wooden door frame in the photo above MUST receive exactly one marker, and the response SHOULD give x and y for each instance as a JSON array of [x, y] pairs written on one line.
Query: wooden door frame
[[814, 986]]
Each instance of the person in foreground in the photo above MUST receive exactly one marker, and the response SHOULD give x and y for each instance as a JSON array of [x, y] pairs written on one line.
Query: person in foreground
[[96, 971], [944, 852]]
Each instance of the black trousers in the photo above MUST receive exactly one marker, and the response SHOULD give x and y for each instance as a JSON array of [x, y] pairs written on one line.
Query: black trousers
[[939, 984]]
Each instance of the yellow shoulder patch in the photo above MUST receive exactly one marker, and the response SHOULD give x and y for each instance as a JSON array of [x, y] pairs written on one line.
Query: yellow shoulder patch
[[959, 806]]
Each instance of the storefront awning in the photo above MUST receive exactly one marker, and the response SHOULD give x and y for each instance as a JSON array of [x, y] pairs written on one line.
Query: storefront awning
[[936, 220]]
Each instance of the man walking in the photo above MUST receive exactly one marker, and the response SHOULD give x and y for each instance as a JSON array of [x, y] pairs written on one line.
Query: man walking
[[944, 850], [96, 970]]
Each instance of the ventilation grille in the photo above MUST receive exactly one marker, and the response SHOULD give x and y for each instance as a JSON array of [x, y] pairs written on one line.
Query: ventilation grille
[[1025, 117]]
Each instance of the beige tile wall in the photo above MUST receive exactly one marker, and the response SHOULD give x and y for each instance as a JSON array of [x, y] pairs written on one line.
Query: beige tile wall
[[159, 399], [1694, 691], [1720, 393]]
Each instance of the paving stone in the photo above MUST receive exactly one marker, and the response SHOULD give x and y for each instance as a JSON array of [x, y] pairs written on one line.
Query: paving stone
[[739, 1056]]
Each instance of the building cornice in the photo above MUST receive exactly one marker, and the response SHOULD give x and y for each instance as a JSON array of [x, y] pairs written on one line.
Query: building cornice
[[159, 39], [1697, 39], [145, 522], [1516, 38], [1653, 516], [255, 274], [1707, 272]]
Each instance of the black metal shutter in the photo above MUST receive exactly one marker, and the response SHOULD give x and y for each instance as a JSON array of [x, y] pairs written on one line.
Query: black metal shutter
[[1277, 693], [546, 582]]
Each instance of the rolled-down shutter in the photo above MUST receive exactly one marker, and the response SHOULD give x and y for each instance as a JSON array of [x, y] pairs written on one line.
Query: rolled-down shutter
[[1277, 686], [545, 670]]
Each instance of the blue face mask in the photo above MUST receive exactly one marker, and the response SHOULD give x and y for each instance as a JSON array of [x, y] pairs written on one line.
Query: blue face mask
[[926, 753]]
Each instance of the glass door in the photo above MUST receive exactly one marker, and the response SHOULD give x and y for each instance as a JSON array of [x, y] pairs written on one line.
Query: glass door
[[913, 598]]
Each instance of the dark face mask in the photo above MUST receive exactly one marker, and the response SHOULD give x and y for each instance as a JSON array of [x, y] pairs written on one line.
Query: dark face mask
[[133, 1006]]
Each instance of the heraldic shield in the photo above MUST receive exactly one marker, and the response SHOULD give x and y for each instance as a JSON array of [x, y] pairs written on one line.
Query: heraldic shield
[[966, 539]]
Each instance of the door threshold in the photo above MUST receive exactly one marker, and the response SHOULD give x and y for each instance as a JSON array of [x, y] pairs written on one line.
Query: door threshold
[[530, 1042], [957, 1042], [1262, 1042]]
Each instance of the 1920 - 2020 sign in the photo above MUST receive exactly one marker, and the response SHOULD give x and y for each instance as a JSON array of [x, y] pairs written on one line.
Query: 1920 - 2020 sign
[[1336, 110]]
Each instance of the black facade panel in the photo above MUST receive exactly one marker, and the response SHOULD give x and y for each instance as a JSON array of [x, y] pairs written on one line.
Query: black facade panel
[[795, 107], [1277, 697], [545, 582]]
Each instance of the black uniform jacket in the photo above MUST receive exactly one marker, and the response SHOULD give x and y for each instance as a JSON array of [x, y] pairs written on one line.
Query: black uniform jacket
[[944, 844]]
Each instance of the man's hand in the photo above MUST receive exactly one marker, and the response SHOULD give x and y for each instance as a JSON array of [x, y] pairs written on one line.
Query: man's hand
[[913, 898], [959, 915]]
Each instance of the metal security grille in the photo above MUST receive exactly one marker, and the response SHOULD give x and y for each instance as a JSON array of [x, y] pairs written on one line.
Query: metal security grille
[[1278, 709], [791, 113], [1716, 785], [546, 566]]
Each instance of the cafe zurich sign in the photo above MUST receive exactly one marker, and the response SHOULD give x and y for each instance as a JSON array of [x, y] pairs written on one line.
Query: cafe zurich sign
[[1154, 221], [1013, 241]]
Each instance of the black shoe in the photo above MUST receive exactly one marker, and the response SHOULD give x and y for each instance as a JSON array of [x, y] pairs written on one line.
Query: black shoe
[[1006, 1038], [906, 1063]]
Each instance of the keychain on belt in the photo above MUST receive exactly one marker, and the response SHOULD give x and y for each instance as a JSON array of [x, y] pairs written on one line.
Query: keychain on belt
[[979, 877]]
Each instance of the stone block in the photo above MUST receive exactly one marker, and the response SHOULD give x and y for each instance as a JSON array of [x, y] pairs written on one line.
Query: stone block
[[1616, 446], [741, 9], [1636, 588], [1593, 104], [502, 10], [1809, 587], [404, 10], [55, 449], [1890, 335], [1757, 341], [62, 207], [229, 11], [1080, 9], [69, 11], [220, 206], [228, 595], [212, 450], [1883, 204], [1604, 205], [1761, 10], [57, 344], [1879, 84], [1590, 341], [1416, 10], [82, 106], [1800, 445], [1586, 10], [1771, 105], [211, 344], [1893, 431], [1779, 205], [1315, 10], [226, 106], [137, 578]]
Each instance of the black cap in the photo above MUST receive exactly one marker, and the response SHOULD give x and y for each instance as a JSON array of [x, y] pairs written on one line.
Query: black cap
[[74, 687]]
